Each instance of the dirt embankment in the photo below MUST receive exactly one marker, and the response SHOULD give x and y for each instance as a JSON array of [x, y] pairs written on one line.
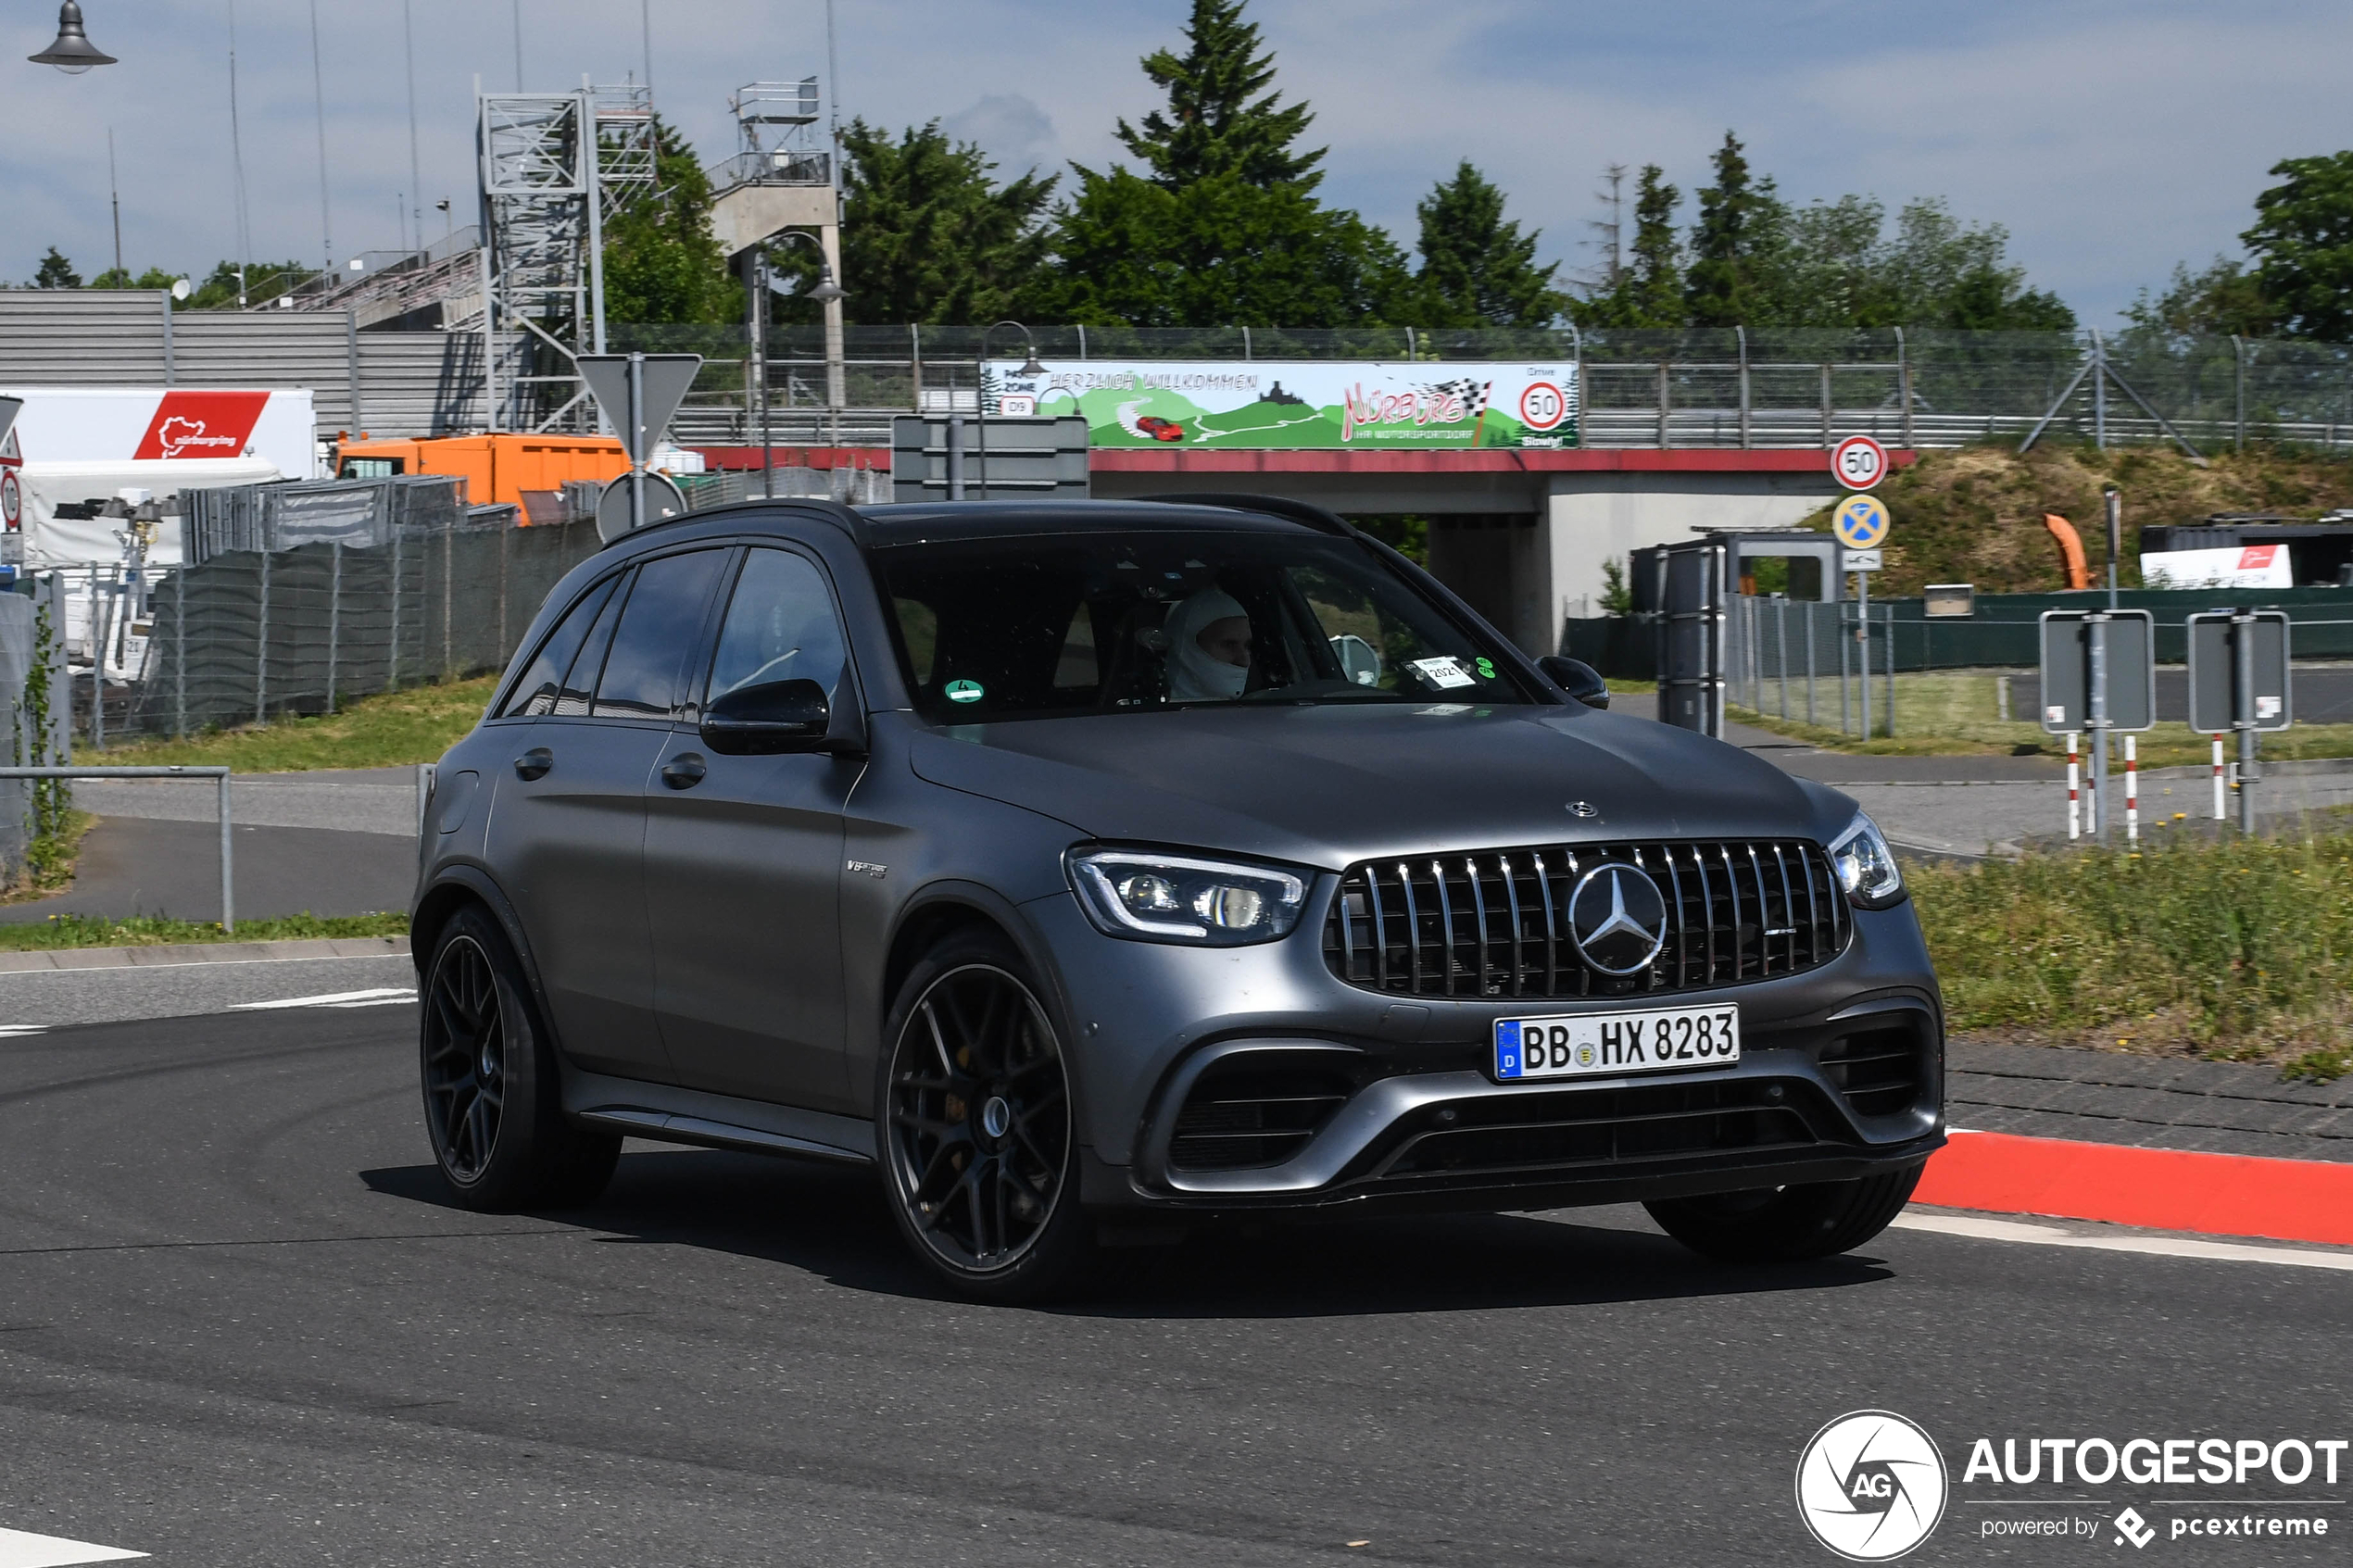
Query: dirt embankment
[[1975, 515]]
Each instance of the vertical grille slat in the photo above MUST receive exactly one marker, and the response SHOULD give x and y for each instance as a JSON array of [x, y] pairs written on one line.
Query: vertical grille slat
[[1733, 914]]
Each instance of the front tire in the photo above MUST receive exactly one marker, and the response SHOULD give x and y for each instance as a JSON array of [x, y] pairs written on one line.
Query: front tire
[[1787, 1224], [493, 1114], [980, 1141]]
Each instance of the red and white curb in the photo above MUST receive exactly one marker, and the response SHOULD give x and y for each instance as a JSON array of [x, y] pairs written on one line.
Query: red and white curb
[[2238, 1194]]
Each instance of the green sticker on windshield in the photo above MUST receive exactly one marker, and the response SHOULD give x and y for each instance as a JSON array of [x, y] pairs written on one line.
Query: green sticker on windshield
[[1486, 669], [964, 691]]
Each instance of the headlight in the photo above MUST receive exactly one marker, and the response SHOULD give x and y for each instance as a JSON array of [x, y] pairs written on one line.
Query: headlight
[[1866, 866], [1149, 897]]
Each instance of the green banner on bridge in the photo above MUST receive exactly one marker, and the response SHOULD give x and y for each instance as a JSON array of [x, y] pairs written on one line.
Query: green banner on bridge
[[1446, 405]]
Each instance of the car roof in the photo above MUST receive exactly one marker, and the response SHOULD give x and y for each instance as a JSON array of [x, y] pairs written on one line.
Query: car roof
[[933, 521]]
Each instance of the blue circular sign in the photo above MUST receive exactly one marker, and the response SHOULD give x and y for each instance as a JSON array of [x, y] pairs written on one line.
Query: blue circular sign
[[1860, 523]]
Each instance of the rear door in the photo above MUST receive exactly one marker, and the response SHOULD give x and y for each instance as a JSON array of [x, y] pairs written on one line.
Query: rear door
[[568, 833], [743, 859]]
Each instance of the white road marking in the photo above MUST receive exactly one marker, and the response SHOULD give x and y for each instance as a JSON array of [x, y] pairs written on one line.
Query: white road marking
[[10, 1031], [20, 1548], [2152, 1245], [381, 996]]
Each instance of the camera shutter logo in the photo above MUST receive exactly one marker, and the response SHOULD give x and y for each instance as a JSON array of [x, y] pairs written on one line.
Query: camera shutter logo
[[1871, 1486], [1618, 917]]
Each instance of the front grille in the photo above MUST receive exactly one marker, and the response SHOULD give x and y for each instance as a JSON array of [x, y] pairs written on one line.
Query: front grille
[[1256, 1109], [1592, 1127], [1495, 922], [1877, 1071]]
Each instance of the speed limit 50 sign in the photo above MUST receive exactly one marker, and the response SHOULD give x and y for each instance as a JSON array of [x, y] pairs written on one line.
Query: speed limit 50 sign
[[1858, 462]]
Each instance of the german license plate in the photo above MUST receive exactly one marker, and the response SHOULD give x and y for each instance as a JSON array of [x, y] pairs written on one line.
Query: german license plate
[[1593, 1045]]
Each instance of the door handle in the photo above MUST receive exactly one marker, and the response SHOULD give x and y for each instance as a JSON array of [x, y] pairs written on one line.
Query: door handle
[[684, 770], [535, 763]]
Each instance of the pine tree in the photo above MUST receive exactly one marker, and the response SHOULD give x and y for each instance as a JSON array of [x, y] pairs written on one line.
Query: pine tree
[[1477, 269], [662, 265], [56, 273], [1738, 220], [1221, 227], [927, 234], [1214, 123], [1649, 291]]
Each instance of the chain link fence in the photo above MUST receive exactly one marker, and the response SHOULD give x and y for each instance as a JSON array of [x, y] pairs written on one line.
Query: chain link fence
[[251, 635]]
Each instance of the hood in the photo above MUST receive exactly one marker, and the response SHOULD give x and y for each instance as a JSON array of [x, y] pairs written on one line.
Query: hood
[[1327, 786]]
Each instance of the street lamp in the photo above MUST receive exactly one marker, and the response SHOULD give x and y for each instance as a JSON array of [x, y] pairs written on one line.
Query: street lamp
[[825, 292], [980, 387], [72, 53]]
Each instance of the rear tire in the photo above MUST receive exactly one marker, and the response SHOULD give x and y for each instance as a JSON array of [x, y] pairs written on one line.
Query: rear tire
[[1786, 1225], [493, 1113], [979, 1134]]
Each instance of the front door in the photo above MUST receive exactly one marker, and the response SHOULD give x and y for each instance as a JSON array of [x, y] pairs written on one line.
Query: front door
[[743, 859]]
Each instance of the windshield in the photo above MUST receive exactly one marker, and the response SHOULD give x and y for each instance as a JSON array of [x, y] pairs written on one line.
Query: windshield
[[1034, 626]]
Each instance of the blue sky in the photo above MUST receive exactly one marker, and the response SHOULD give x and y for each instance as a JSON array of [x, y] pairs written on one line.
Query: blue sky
[[2113, 139]]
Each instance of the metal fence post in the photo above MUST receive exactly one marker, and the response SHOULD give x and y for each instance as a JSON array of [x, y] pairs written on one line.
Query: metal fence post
[[1810, 661], [1846, 697], [392, 642], [1739, 335], [504, 534], [228, 879], [180, 651], [1891, 672], [1826, 405], [448, 537], [1903, 383], [1663, 439], [334, 618], [1780, 657], [261, 648], [2238, 379]]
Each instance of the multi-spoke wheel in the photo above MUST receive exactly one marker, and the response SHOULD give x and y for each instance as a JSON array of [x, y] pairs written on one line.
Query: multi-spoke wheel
[[491, 1110], [977, 1126]]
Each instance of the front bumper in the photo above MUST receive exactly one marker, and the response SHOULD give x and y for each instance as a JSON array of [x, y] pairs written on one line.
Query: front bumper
[[1312, 1093]]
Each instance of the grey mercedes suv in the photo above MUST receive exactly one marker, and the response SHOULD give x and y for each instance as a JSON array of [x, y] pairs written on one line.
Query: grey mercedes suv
[[1096, 868]]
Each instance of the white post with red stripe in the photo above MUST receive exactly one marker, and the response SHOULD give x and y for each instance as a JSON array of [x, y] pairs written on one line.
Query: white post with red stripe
[[2131, 790], [2075, 790], [2220, 810]]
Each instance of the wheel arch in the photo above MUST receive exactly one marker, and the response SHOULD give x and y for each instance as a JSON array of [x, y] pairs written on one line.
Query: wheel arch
[[455, 887], [939, 910]]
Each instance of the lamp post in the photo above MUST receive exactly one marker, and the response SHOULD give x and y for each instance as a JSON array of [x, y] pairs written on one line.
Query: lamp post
[[72, 52], [980, 386], [825, 292]]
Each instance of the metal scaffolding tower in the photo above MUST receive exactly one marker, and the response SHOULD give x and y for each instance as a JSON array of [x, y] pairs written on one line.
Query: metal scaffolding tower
[[554, 168]]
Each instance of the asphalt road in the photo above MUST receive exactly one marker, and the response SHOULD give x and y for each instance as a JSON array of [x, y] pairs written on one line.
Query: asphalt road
[[238, 1326]]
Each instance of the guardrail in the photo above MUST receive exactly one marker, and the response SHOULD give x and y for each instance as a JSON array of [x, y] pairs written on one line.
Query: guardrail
[[219, 776]]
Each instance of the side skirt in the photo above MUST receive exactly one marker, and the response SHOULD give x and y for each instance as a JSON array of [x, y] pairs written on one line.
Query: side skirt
[[669, 1114]]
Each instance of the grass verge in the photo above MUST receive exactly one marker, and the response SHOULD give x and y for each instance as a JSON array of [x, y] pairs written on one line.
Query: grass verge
[[50, 861], [2232, 948], [390, 730], [154, 930]]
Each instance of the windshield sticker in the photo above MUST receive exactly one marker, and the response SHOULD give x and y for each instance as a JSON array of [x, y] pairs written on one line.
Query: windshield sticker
[[1445, 710], [1486, 669], [1443, 672], [964, 691]]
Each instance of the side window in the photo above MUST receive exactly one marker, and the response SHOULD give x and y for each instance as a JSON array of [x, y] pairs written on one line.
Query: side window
[[580, 681], [780, 626], [1077, 668], [536, 693], [657, 632]]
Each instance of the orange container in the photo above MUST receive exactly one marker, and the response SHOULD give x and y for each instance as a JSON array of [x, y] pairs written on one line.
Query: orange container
[[497, 469]]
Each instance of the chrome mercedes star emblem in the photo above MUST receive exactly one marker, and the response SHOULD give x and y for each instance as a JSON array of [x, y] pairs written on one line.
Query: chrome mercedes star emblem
[[1618, 917], [1583, 809]]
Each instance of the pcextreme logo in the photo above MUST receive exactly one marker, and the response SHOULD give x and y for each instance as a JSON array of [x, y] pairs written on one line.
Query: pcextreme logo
[[1871, 1486], [202, 424]]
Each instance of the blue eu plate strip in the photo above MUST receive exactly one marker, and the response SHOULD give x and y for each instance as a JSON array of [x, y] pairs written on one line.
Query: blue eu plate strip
[[1507, 1048]]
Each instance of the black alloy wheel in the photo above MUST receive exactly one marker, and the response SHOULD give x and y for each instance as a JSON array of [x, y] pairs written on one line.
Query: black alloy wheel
[[465, 1066], [978, 1139], [494, 1111]]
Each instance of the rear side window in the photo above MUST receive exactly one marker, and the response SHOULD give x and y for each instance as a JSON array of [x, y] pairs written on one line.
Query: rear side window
[[536, 693], [780, 626], [656, 635]]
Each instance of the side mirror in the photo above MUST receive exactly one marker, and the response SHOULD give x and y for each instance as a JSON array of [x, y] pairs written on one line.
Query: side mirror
[[767, 719], [1577, 678]]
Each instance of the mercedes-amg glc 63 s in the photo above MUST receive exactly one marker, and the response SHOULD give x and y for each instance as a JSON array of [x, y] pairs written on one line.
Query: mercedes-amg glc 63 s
[[1092, 869]]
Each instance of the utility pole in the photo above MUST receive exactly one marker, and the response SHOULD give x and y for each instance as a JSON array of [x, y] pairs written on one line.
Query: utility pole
[[1612, 228], [114, 194]]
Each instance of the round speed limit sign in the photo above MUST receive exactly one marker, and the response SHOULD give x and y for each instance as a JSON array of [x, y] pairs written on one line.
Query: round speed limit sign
[[1542, 406], [1858, 462], [11, 501]]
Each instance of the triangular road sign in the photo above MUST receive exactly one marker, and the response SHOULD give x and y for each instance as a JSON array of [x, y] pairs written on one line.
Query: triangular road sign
[[666, 380], [9, 407]]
